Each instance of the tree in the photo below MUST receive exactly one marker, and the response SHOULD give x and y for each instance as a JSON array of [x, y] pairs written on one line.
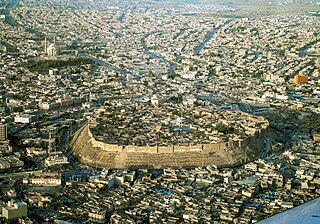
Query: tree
[[224, 129]]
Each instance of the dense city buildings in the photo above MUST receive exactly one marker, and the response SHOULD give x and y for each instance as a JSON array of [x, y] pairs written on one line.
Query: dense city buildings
[[171, 111]]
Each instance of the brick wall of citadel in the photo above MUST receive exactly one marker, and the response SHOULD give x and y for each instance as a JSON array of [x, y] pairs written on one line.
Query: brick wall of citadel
[[100, 154]]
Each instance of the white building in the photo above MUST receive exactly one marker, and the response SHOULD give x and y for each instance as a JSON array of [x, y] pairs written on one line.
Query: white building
[[25, 119], [97, 215], [46, 181], [14, 210], [56, 160], [154, 100], [52, 50]]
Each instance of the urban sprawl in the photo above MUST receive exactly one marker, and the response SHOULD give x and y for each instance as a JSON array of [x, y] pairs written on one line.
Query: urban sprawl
[[157, 73]]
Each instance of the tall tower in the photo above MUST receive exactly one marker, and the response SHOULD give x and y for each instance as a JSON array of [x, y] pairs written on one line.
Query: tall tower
[[50, 143], [51, 148], [3, 132], [45, 45]]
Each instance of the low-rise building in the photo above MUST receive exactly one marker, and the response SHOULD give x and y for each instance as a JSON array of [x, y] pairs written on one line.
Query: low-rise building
[[13, 210]]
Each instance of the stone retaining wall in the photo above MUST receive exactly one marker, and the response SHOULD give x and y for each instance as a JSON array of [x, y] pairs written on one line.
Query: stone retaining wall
[[96, 153]]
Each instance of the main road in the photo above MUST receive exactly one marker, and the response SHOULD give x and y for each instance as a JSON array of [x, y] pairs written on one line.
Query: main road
[[105, 64], [196, 51], [210, 36], [303, 50], [64, 148], [155, 56], [11, 5]]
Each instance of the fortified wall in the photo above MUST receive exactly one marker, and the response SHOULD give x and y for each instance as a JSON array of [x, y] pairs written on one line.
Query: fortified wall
[[99, 154]]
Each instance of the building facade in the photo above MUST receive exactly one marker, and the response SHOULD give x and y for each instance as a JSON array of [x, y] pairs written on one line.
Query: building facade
[[300, 79], [13, 210], [3, 132]]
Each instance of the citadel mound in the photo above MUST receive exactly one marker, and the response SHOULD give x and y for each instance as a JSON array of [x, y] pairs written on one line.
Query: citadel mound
[[151, 137]]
